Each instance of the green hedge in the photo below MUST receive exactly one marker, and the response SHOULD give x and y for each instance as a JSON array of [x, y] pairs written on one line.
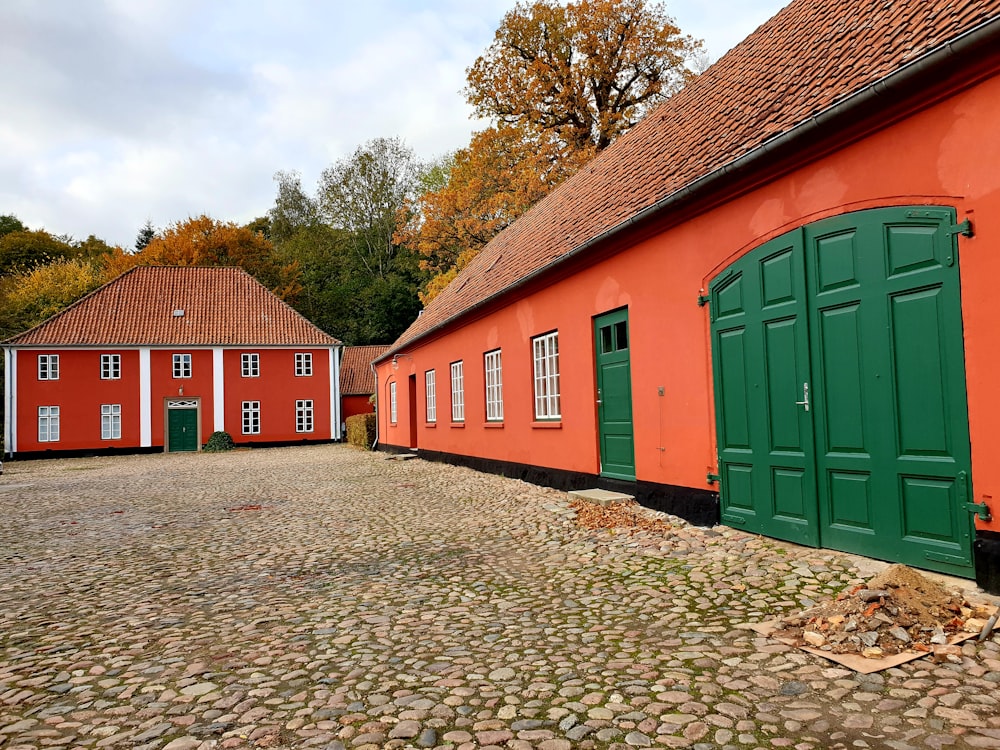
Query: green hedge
[[361, 430], [218, 442]]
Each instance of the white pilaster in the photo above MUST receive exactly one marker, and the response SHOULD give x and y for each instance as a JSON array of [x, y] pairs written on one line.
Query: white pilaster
[[145, 400], [335, 418], [218, 391], [10, 413]]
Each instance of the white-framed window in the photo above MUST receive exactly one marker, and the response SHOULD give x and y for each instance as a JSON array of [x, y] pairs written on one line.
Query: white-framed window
[[48, 424], [545, 353], [494, 386], [111, 367], [251, 417], [303, 364], [392, 402], [250, 365], [457, 392], [111, 421], [182, 365], [48, 367], [304, 415], [430, 394]]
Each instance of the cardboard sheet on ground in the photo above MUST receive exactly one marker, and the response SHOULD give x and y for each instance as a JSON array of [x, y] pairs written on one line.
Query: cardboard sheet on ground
[[857, 662]]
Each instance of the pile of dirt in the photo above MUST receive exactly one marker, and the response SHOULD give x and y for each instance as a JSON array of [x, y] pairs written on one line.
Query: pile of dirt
[[898, 610], [628, 515]]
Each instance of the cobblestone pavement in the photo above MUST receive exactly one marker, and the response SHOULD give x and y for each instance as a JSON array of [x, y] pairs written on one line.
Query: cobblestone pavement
[[326, 597]]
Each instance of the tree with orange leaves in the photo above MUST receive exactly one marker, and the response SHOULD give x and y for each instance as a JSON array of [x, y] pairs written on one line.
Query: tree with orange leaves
[[203, 241], [560, 83]]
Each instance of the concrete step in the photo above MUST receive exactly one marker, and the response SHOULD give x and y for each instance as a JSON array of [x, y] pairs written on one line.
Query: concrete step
[[601, 497]]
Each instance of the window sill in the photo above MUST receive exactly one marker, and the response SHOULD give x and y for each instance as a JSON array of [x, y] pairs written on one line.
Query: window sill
[[493, 425], [553, 425], [457, 425], [430, 425]]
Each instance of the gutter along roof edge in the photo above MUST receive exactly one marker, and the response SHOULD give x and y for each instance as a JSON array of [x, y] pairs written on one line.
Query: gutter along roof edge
[[898, 83]]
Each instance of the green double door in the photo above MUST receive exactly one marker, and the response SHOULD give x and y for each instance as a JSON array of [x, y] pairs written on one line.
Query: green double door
[[182, 429], [839, 376]]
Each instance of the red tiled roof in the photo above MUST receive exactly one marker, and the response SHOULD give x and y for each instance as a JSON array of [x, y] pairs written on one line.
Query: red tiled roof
[[812, 55], [221, 307], [356, 377]]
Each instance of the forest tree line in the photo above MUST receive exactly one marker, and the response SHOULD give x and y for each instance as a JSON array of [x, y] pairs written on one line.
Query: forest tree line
[[383, 232]]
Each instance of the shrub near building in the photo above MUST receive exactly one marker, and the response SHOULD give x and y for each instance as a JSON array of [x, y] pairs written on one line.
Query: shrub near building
[[361, 430]]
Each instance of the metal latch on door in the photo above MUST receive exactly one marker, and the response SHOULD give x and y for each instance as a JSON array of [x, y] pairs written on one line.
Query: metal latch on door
[[805, 397]]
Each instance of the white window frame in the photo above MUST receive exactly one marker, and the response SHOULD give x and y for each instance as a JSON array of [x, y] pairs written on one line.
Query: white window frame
[[48, 367], [303, 364], [111, 367], [393, 415], [250, 365], [545, 358], [182, 366], [430, 394], [304, 415], [111, 421], [493, 373], [457, 391], [48, 424], [251, 417]]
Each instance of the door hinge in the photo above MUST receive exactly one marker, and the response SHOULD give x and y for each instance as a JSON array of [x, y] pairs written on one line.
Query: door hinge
[[980, 509], [712, 478], [964, 228], [703, 299]]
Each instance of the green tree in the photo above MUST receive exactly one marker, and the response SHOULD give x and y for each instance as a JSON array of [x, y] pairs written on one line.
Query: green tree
[[10, 223], [24, 250], [146, 234], [365, 195]]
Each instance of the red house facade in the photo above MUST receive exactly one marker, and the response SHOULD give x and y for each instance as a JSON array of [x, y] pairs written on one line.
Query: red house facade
[[767, 305], [160, 358]]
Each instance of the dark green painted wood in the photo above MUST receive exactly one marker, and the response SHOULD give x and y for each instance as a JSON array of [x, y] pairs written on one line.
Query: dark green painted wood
[[892, 429], [182, 429], [761, 354], [865, 307], [614, 384]]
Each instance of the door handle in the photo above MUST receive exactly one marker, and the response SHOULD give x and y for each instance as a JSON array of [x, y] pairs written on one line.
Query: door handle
[[599, 396], [805, 397]]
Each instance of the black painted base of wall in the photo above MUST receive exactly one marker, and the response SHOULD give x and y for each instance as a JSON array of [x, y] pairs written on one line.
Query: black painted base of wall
[[699, 507], [986, 558], [132, 451]]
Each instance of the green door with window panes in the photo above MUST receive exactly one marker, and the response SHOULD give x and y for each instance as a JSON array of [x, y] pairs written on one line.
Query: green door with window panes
[[182, 429], [839, 371], [614, 395]]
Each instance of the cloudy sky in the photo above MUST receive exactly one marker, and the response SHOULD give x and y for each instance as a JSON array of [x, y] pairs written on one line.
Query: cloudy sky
[[116, 112]]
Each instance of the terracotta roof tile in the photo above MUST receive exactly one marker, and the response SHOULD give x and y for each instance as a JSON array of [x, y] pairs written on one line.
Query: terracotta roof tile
[[221, 307], [356, 377], [810, 56]]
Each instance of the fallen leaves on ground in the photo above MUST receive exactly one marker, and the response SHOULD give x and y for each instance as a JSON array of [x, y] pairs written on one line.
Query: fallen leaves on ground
[[897, 610], [627, 515]]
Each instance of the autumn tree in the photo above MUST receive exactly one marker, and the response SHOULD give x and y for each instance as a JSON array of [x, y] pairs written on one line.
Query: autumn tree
[[586, 71], [29, 297], [203, 241], [559, 83], [10, 223]]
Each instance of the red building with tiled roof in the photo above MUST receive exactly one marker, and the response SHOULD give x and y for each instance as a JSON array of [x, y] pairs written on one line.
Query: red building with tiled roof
[[357, 379], [160, 358], [766, 305]]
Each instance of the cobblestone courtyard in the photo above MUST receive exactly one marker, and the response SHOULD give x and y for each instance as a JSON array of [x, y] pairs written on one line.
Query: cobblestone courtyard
[[325, 597]]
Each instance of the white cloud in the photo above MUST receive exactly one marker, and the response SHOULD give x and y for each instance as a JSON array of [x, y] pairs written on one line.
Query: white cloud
[[123, 110]]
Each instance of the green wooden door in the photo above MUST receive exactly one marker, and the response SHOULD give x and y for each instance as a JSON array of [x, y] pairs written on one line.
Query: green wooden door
[[876, 332], [614, 395], [889, 367], [760, 350], [182, 429]]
